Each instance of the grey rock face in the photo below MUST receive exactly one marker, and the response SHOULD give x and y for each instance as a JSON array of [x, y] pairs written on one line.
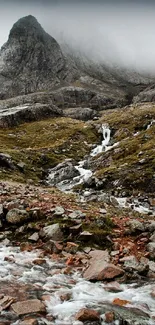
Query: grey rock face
[[27, 113], [147, 95], [61, 172], [31, 60]]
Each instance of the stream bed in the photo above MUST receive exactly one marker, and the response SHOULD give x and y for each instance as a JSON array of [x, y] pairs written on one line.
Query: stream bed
[[22, 279]]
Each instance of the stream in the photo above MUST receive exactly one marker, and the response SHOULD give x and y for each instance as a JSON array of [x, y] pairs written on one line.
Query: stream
[[19, 274], [21, 278]]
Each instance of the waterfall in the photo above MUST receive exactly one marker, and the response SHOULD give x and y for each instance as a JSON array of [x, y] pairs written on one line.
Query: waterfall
[[105, 142]]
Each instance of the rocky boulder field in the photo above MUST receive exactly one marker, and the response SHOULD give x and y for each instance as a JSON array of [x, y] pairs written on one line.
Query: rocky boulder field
[[77, 183]]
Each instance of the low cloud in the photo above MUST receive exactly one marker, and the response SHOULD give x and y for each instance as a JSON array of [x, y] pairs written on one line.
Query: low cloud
[[122, 33]]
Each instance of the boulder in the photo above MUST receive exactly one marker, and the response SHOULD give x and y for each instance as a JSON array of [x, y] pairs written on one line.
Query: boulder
[[63, 171], [16, 216], [100, 268], [87, 315], [28, 307], [13, 116], [53, 232]]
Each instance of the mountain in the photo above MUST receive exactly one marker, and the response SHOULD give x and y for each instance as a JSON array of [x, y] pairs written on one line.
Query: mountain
[[31, 60]]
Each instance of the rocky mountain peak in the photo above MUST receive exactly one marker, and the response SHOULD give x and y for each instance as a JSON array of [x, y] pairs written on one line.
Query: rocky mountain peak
[[28, 27], [31, 60]]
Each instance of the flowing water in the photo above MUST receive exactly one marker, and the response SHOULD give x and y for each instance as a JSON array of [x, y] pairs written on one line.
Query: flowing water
[[23, 279], [22, 276]]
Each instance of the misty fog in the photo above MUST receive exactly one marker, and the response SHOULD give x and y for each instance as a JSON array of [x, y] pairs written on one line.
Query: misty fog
[[118, 34]]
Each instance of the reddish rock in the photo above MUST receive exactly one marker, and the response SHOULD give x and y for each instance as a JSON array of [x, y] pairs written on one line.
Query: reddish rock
[[121, 302], [26, 247], [100, 268], [39, 261], [71, 247], [87, 315], [28, 307], [109, 317], [65, 296], [109, 272]]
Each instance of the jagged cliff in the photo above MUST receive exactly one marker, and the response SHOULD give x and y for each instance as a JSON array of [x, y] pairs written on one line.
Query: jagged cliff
[[31, 60]]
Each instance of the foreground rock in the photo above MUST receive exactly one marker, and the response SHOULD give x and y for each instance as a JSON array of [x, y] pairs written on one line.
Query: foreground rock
[[100, 268], [28, 307], [16, 216], [87, 315]]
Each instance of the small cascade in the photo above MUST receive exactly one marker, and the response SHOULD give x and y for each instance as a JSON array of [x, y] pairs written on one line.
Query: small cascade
[[106, 139]]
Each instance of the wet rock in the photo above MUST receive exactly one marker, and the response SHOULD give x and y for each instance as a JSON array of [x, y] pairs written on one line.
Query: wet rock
[[87, 315], [100, 268], [39, 261], [109, 317], [135, 225], [26, 247], [113, 287], [53, 232], [52, 246], [5, 302], [16, 216], [63, 171], [120, 302], [29, 321], [34, 237], [28, 307]]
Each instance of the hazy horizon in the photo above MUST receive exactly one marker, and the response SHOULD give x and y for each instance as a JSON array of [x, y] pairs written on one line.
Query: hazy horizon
[[121, 32]]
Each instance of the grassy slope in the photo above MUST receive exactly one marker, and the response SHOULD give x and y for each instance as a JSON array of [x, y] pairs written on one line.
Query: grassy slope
[[133, 160], [43, 144]]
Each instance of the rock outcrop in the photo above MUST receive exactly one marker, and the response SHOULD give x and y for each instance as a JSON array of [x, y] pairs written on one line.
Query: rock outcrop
[[31, 60], [147, 95]]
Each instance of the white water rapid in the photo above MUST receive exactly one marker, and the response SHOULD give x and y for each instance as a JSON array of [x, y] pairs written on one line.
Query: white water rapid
[[106, 139], [20, 274]]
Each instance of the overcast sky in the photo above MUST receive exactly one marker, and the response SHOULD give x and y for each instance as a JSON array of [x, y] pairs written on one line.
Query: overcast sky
[[120, 31]]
